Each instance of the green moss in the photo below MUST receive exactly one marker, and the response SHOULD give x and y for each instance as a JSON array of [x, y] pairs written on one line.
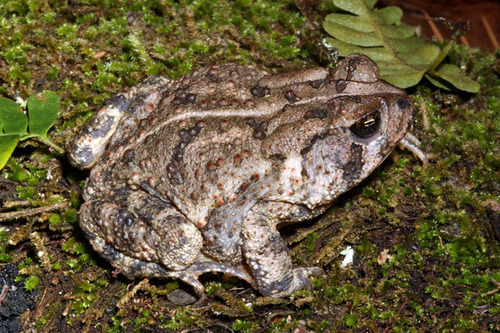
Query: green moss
[[143, 319], [54, 219], [16, 171], [53, 73], [244, 326], [27, 192], [31, 282], [5, 254], [72, 245], [311, 242], [82, 302], [185, 317], [322, 326], [70, 216]]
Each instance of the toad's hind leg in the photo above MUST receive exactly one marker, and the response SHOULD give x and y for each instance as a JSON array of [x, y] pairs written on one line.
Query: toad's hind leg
[[162, 245], [267, 255], [155, 235]]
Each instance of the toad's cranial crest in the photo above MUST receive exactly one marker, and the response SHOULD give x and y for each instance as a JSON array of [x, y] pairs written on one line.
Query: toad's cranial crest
[[194, 175]]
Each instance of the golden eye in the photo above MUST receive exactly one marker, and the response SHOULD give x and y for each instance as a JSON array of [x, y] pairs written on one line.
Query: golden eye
[[367, 126]]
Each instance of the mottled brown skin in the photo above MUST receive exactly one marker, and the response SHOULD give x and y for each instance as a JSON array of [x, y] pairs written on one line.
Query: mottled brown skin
[[195, 175]]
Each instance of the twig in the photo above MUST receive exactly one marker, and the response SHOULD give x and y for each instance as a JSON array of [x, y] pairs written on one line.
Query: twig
[[5, 289], [121, 303], [490, 32], [464, 41], [31, 212], [10, 204], [433, 26], [496, 289]]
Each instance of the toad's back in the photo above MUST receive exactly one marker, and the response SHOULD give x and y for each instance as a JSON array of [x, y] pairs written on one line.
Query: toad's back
[[196, 141]]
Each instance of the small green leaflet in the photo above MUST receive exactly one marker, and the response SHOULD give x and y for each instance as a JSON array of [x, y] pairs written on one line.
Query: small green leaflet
[[42, 110], [403, 58], [449, 76], [14, 124]]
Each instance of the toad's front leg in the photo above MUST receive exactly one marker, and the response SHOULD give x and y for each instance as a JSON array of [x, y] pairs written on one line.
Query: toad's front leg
[[267, 256], [124, 109]]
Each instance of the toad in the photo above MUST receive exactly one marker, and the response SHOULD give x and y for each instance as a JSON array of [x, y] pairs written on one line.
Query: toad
[[197, 174]]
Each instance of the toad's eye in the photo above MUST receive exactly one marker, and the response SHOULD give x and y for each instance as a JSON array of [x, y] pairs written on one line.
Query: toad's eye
[[366, 126]]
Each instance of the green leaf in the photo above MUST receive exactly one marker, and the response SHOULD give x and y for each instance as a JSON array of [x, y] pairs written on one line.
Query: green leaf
[[344, 49], [388, 15], [42, 111], [349, 21], [13, 125], [353, 36], [449, 76], [8, 143], [354, 6], [403, 58], [12, 117]]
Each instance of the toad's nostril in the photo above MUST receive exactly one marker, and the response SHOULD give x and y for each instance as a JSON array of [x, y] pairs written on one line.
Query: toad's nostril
[[402, 103]]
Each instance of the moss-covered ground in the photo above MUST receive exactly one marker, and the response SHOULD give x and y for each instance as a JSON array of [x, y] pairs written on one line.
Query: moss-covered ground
[[425, 241]]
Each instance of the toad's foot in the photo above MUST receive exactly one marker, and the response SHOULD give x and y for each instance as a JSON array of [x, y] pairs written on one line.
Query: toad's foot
[[191, 274], [300, 280], [411, 143]]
